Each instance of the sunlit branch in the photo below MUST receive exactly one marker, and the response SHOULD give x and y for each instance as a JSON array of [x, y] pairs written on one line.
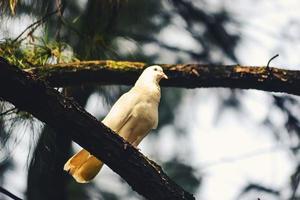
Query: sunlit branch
[[180, 75]]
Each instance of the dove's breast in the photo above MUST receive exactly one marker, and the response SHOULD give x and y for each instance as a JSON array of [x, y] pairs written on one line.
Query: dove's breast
[[146, 112], [144, 117]]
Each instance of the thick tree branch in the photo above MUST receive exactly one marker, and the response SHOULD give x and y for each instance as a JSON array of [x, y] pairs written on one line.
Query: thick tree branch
[[181, 75], [29, 93]]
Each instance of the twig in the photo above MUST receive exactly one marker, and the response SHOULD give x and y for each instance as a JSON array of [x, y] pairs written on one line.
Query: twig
[[59, 6], [268, 67], [8, 193], [244, 156], [295, 186], [295, 190], [9, 110], [38, 23]]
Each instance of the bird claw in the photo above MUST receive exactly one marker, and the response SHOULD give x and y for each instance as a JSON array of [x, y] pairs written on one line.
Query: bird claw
[[137, 148], [126, 145], [194, 71]]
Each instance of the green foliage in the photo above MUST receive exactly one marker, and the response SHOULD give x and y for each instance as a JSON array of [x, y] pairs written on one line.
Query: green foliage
[[12, 6], [36, 52], [11, 51]]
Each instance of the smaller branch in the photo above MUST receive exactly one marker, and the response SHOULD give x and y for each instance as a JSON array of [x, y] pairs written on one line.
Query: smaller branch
[[295, 188], [36, 24], [244, 156], [9, 194]]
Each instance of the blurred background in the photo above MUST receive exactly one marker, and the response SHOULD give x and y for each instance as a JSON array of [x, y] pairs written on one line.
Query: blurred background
[[217, 143]]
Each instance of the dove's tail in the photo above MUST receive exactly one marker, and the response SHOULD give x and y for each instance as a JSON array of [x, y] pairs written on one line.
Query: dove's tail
[[83, 166]]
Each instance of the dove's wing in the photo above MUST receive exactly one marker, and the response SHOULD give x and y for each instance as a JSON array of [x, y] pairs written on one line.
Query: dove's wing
[[121, 111], [133, 115], [83, 166]]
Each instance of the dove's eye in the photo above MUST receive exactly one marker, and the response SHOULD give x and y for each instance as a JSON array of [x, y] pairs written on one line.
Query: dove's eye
[[155, 69]]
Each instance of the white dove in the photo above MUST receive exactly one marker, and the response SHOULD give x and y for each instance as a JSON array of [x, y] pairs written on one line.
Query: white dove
[[133, 116]]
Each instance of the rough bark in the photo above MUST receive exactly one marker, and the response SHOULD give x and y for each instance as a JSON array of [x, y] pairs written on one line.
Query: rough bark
[[181, 75], [65, 116]]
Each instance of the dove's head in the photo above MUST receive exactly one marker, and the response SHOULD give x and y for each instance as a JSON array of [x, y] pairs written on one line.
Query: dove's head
[[149, 80], [151, 75], [154, 73]]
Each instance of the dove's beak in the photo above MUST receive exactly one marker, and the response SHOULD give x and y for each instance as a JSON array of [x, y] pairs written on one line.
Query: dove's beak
[[164, 76]]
